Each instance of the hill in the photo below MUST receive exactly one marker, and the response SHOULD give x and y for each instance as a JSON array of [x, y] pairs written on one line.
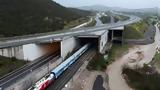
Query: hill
[[95, 7], [81, 12], [21, 17], [105, 8], [102, 8]]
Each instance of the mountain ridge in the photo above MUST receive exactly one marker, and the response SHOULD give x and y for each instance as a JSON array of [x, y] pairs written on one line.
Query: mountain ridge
[[23, 17], [106, 8]]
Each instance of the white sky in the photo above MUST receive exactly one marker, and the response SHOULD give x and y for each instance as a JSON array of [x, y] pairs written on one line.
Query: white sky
[[132, 4]]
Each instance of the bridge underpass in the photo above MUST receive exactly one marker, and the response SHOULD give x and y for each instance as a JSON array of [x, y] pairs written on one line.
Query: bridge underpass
[[65, 45], [116, 35], [98, 39], [30, 52], [100, 43]]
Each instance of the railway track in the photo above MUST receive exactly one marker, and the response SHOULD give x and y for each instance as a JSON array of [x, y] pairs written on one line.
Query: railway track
[[21, 72], [68, 74]]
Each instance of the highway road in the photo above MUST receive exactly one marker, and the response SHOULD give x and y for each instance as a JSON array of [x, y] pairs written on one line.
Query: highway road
[[21, 72], [48, 37], [59, 83]]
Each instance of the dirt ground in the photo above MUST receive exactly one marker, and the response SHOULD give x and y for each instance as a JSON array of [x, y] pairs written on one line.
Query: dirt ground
[[136, 57], [84, 79]]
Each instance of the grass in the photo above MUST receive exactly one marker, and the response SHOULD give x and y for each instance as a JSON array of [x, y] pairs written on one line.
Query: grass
[[105, 19], [117, 51], [24, 17], [99, 62], [141, 79], [146, 78], [135, 31], [75, 23], [157, 59], [93, 23], [120, 18], [9, 64]]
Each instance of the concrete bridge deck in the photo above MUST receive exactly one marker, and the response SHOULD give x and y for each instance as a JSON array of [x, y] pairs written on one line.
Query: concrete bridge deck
[[21, 40]]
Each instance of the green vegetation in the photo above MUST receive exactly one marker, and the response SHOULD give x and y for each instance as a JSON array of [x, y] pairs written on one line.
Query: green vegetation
[[149, 15], [9, 64], [157, 60], [151, 19], [76, 23], [99, 62], [149, 75], [117, 51], [120, 18], [142, 79], [93, 23], [135, 31], [116, 19], [23, 17], [105, 19]]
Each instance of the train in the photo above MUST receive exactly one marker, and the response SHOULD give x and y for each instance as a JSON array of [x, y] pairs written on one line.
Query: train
[[44, 82]]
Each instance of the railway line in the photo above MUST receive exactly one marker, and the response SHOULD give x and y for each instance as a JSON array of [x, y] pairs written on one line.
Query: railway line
[[21, 72], [60, 82]]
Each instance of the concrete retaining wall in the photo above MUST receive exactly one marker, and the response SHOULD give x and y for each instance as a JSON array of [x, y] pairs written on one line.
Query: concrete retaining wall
[[30, 52], [103, 41], [34, 51], [67, 46], [25, 82], [16, 52]]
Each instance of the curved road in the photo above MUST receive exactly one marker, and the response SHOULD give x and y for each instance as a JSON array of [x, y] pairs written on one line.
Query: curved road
[[47, 37]]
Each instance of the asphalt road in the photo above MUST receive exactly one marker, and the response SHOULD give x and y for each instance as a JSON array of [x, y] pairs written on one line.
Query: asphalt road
[[48, 37], [20, 73], [59, 83]]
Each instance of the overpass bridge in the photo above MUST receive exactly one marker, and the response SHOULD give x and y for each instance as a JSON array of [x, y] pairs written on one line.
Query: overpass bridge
[[54, 36], [65, 40]]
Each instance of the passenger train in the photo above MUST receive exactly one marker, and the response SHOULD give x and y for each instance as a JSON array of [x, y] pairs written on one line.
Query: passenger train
[[43, 83]]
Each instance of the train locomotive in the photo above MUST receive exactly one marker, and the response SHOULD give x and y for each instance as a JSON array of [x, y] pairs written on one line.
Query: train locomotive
[[44, 82]]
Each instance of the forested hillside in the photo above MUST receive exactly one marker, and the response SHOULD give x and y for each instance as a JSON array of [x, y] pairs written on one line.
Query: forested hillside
[[21, 17]]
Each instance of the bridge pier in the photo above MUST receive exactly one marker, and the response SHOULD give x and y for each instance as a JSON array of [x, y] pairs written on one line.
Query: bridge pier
[[30, 52], [103, 40], [116, 35], [34, 51], [99, 38], [68, 45], [10, 52]]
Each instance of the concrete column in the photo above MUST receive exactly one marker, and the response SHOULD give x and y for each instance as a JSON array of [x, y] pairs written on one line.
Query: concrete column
[[2, 52], [34, 51], [122, 38], [12, 52], [112, 35], [103, 41], [67, 46]]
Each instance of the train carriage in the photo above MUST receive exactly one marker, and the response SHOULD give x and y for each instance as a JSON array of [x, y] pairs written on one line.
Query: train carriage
[[55, 73]]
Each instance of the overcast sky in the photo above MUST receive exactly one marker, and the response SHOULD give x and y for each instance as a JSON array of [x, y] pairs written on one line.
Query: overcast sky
[[133, 4]]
